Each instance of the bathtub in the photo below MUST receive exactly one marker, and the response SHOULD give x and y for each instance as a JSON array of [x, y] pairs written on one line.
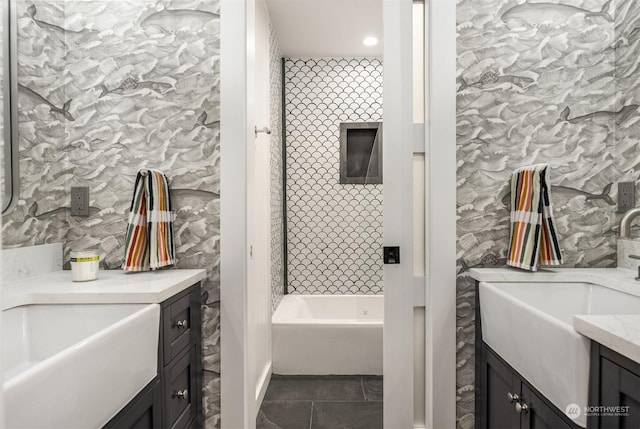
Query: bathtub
[[328, 334]]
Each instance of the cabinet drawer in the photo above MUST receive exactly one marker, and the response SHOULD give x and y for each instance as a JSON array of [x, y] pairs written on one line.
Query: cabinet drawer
[[180, 391], [178, 320]]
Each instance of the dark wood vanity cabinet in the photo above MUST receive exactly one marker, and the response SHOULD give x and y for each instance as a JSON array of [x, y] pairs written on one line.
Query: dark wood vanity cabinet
[[505, 400], [173, 399], [614, 381], [493, 407], [143, 412], [541, 413]]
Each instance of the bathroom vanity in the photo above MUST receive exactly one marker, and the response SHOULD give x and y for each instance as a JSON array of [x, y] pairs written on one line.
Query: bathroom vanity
[[554, 346], [505, 399], [127, 350], [173, 399]]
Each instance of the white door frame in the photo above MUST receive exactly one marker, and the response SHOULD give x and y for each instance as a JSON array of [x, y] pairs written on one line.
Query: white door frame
[[398, 365], [440, 297], [237, 394], [237, 400]]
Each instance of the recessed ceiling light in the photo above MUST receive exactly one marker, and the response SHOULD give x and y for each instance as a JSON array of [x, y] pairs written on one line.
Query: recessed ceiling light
[[370, 41]]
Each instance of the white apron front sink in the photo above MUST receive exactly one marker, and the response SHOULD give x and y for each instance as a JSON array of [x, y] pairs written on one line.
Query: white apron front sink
[[75, 366], [530, 325]]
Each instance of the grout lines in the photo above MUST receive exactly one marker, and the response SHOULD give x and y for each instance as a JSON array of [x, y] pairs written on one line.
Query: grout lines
[[312, 401]]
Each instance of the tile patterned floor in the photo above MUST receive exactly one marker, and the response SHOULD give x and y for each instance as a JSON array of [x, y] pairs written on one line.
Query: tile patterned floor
[[322, 402]]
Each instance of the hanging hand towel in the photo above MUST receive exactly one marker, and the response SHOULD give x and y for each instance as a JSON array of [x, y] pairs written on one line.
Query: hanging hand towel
[[533, 234], [149, 240]]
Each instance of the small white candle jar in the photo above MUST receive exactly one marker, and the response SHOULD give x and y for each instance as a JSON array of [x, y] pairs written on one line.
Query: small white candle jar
[[84, 265]]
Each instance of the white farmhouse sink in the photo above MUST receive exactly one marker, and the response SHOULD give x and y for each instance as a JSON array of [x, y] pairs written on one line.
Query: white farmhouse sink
[[75, 366], [530, 325]]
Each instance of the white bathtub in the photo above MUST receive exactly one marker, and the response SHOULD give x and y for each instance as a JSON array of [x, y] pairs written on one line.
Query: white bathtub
[[328, 334]]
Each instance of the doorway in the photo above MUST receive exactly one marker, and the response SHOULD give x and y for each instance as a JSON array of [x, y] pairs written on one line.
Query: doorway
[[402, 288]]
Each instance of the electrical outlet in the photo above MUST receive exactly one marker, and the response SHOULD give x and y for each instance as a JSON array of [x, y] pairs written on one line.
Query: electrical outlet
[[79, 201], [626, 196]]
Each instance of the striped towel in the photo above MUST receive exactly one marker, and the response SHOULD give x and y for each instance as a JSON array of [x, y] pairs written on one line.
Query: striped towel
[[149, 240], [533, 235]]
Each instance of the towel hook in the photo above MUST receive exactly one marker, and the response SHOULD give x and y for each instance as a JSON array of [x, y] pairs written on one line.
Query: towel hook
[[265, 130], [145, 172]]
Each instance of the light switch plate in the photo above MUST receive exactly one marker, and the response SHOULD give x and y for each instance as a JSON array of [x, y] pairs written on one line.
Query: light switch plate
[[79, 201], [626, 196]]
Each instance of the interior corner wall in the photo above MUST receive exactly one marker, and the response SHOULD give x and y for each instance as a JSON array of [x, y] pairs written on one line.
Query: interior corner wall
[[277, 191], [564, 92], [334, 231]]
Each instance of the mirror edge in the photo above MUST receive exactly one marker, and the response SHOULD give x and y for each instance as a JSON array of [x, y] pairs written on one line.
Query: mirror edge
[[11, 193]]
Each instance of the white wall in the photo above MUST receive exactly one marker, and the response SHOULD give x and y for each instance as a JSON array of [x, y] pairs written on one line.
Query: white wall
[[260, 215], [441, 213], [245, 212], [236, 110]]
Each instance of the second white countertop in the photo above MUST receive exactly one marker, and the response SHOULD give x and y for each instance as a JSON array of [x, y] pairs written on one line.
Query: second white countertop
[[111, 287], [620, 333]]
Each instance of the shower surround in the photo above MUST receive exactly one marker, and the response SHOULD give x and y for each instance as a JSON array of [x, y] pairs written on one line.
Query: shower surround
[[108, 87], [552, 83], [334, 231]]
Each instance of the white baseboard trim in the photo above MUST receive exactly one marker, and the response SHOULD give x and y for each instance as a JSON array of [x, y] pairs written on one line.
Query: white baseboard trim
[[261, 388]]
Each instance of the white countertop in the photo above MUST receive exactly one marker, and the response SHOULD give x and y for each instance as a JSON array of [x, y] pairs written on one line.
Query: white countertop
[[620, 333], [112, 287]]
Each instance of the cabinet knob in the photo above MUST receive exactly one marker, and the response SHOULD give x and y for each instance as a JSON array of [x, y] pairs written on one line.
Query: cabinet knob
[[512, 397], [522, 408], [181, 394], [181, 324]]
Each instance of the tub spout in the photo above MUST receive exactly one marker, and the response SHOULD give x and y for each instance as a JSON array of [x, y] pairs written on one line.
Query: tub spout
[[625, 222]]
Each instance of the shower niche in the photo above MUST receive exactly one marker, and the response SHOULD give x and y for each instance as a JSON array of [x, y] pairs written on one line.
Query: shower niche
[[361, 153]]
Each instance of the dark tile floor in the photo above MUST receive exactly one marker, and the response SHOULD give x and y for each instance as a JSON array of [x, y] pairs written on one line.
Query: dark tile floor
[[322, 402]]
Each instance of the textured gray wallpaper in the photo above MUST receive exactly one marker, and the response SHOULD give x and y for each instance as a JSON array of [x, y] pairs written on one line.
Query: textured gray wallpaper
[[627, 50], [107, 87], [551, 83], [277, 194], [334, 231]]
